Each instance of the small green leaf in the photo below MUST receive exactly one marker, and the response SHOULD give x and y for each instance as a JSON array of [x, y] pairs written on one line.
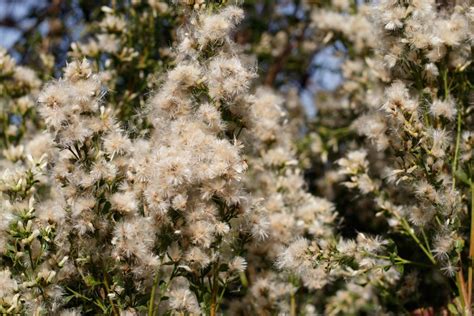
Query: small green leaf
[[452, 309]]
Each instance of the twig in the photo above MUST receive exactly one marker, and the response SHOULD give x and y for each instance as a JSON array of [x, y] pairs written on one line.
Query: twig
[[471, 251], [214, 289], [151, 303], [106, 284], [408, 229], [456, 150]]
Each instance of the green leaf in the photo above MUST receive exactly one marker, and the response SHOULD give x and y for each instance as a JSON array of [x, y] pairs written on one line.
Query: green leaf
[[462, 176], [91, 282], [452, 309]]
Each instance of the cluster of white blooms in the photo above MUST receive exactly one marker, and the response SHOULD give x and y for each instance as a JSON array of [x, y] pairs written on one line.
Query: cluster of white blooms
[[21, 237], [108, 41], [356, 28], [128, 53], [421, 120], [171, 208], [23, 159], [407, 92], [213, 195], [188, 173], [275, 180], [19, 87]]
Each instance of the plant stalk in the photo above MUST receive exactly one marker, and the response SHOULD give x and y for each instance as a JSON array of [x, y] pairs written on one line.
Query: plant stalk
[[214, 291], [151, 303], [471, 251]]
